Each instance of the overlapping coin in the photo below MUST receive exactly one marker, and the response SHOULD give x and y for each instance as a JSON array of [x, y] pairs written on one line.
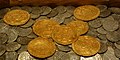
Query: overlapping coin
[[44, 28], [41, 47], [79, 27], [63, 35], [16, 17], [86, 46], [86, 12]]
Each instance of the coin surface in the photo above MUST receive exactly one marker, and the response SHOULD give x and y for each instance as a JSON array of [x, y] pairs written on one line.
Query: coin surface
[[79, 27], [63, 35], [41, 47], [16, 17], [86, 46], [87, 12], [44, 27], [96, 57], [11, 56]]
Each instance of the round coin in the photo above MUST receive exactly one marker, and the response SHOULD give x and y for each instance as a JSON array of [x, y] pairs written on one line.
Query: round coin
[[87, 12], [96, 57], [44, 27], [41, 47], [86, 46], [79, 27], [63, 35], [16, 17]]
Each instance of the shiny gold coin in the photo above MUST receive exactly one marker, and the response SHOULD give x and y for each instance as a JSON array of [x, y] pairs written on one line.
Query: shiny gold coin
[[16, 17], [79, 27], [63, 35], [86, 46], [44, 28], [87, 12], [41, 47]]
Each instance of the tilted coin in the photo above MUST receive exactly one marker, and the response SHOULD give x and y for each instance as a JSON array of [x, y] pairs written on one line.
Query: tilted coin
[[22, 49], [34, 16], [36, 10], [41, 47], [86, 45], [102, 7], [67, 14], [12, 35], [32, 35], [105, 13], [3, 12], [95, 23], [117, 52], [96, 57], [110, 55], [4, 27], [16, 17], [115, 10], [103, 47], [27, 8], [70, 9], [2, 50], [23, 40], [3, 38], [110, 24], [61, 9], [53, 13], [102, 37], [116, 17], [28, 24], [44, 28], [11, 56], [73, 56], [46, 10], [79, 27], [42, 17], [63, 48], [68, 20], [15, 8], [25, 56], [101, 30], [117, 45], [86, 12], [12, 46], [63, 35], [92, 32]]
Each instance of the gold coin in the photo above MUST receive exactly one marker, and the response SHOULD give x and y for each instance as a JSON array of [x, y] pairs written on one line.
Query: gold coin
[[16, 17], [87, 12], [41, 47], [79, 27], [63, 35], [44, 28], [86, 46]]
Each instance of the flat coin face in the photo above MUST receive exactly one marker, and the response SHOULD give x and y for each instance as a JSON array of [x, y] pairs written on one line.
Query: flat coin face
[[44, 28], [41, 47], [16, 17], [96, 57], [86, 12], [86, 46], [63, 35], [79, 27]]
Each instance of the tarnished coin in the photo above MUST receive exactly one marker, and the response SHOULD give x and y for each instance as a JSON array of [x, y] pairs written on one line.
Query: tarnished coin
[[32, 35], [36, 10], [34, 16], [103, 47], [110, 24], [4, 27], [116, 17], [28, 24], [41, 47], [15, 8], [117, 45], [3, 12], [25, 56], [63, 35], [68, 20], [12, 46], [61, 9], [12, 35], [96, 57], [46, 10], [101, 30], [11, 56], [63, 48], [87, 12], [23, 40], [115, 10], [79, 27], [95, 23], [42, 17], [70, 9], [27, 8], [86, 45], [53, 13], [102, 7], [105, 13], [117, 52], [16, 17], [73, 56], [44, 28], [110, 55], [102, 37], [3, 38], [22, 49], [92, 32], [2, 50]]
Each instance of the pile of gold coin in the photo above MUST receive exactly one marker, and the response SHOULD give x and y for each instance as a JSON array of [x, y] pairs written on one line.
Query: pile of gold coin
[[51, 32]]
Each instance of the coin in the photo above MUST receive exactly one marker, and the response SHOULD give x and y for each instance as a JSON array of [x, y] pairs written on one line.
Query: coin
[[117, 53], [87, 12], [22, 49], [44, 27], [103, 47], [101, 30], [46, 10], [3, 12], [86, 45], [110, 24], [36, 10], [32, 35], [79, 27], [15, 8], [115, 10], [96, 57], [61, 9], [4, 27], [117, 45], [34, 16], [102, 7], [105, 13], [63, 48], [63, 35], [73, 56], [41, 47], [12, 46], [11, 56], [3, 38], [42, 17], [2, 50], [92, 32], [70, 9], [16, 17], [27, 8], [102, 37]]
